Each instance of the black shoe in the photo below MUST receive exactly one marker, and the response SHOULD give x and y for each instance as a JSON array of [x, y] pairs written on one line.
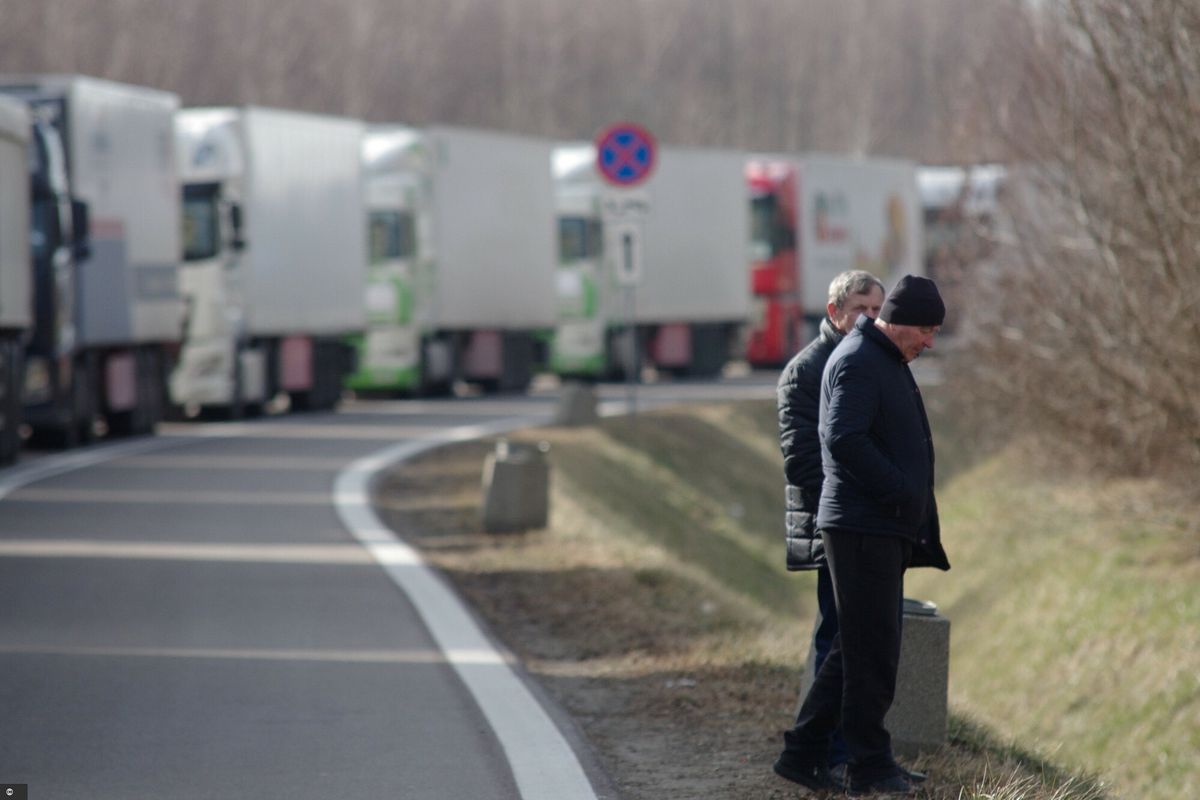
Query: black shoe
[[913, 777], [814, 776], [839, 776], [895, 786]]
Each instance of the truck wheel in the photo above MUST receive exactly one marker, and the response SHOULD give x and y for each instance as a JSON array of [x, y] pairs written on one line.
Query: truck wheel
[[617, 355], [75, 426], [520, 355], [328, 370], [710, 350], [151, 391], [148, 407], [10, 400], [438, 359], [84, 386]]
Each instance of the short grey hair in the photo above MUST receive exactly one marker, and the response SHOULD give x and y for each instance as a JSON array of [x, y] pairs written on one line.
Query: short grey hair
[[855, 281]]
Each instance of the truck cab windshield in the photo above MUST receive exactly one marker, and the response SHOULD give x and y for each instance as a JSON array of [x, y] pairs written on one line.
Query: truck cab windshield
[[579, 238], [769, 234], [201, 222], [392, 236]]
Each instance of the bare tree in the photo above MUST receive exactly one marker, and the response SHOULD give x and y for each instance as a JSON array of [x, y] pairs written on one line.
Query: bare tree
[[1087, 325], [866, 75]]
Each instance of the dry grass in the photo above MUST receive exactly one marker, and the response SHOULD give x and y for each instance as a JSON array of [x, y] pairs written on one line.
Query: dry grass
[[682, 665]]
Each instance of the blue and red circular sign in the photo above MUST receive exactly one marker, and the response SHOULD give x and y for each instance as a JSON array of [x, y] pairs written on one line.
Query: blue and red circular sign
[[625, 154]]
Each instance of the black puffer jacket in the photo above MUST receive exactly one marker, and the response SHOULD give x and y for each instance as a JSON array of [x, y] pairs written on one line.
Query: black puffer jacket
[[876, 446], [799, 399]]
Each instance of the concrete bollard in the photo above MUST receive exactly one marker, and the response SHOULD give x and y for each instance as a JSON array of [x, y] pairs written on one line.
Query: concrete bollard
[[917, 719], [516, 487], [576, 405]]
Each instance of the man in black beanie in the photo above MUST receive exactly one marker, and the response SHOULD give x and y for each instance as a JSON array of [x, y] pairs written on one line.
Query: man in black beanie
[[877, 517]]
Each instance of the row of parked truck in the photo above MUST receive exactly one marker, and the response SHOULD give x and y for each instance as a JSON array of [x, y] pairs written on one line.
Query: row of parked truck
[[163, 261]]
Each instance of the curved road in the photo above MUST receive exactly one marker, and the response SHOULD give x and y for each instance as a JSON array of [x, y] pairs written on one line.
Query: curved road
[[214, 612]]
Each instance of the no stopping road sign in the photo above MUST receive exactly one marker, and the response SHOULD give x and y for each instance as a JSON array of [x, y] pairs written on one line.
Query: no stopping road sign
[[625, 154]]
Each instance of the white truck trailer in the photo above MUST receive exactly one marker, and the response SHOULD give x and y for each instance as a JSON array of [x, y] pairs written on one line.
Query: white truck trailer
[[693, 295], [815, 216], [105, 239], [274, 257], [462, 280], [861, 214], [16, 271]]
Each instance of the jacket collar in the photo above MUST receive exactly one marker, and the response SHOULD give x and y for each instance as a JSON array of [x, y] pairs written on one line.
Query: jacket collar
[[829, 332], [866, 326]]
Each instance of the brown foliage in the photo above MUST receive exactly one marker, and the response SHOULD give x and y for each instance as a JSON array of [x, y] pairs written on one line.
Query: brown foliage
[[1084, 329]]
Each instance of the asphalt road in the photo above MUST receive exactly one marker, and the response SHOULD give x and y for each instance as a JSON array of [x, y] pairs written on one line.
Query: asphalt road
[[208, 613]]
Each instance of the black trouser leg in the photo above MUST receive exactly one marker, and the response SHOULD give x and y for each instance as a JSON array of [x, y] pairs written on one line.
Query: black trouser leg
[[823, 636], [857, 682]]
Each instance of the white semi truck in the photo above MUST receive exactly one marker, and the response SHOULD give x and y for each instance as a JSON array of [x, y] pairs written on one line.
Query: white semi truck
[[16, 271], [462, 246], [274, 258], [105, 242], [692, 297]]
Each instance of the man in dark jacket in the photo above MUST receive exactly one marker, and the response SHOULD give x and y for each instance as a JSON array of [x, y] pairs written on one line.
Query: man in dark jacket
[[877, 516], [799, 398]]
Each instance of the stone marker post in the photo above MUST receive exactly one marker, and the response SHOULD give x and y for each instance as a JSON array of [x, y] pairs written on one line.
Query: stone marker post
[[516, 487], [576, 405]]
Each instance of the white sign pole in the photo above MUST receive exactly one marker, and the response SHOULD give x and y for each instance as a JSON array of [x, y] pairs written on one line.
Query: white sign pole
[[629, 276], [623, 218]]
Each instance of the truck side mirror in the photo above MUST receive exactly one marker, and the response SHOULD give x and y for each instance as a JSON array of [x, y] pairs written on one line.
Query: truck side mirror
[[81, 230], [235, 221]]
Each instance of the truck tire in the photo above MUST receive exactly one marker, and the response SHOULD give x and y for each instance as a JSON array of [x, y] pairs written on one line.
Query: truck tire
[[11, 375], [148, 409], [80, 428], [617, 354], [520, 355], [438, 367], [331, 360], [517, 358], [75, 424], [711, 344]]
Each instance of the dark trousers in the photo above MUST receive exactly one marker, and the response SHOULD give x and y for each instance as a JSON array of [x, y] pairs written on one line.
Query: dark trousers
[[857, 681], [823, 636]]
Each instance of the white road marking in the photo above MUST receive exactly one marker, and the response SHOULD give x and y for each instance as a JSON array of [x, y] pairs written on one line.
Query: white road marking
[[169, 497], [415, 656], [224, 463], [50, 466], [334, 554], [543, 764], [297, 430]]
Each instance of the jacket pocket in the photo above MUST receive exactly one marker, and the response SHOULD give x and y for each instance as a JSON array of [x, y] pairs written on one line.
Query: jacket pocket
[[914, 509]]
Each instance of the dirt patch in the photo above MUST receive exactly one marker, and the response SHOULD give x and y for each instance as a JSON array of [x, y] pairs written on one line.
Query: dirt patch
[[624, 641]]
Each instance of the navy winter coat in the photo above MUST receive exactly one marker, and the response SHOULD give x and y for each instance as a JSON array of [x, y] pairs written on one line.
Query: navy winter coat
[[876, 446], [798, 394]]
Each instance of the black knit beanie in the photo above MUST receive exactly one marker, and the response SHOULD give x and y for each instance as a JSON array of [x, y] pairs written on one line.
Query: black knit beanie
[[914, 301]]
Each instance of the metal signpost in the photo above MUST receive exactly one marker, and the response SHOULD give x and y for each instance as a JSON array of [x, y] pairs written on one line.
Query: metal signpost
[[625, 156]]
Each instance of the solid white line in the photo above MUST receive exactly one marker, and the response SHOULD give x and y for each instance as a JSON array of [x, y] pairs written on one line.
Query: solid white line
[[543, 764], [50, 466], [337, 554], [231, 654]]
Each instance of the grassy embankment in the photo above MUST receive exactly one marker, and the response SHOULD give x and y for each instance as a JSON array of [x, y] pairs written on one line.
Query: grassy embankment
[[657, 609]]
